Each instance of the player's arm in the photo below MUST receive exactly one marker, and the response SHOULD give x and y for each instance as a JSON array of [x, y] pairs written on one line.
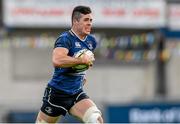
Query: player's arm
[[61, 59], [84, 80]]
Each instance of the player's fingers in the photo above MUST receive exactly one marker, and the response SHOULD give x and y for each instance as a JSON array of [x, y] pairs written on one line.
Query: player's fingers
[[87, 59], [92, 58], [90, 64]]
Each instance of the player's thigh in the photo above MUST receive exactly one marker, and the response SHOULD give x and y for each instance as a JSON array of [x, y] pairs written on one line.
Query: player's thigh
[[81, 107], [43, 118]]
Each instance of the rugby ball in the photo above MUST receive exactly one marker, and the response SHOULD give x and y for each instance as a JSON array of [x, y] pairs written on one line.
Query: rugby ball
[[82, 67]]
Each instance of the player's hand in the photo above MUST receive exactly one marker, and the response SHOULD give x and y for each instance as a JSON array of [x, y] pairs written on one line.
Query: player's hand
[[86, 59]]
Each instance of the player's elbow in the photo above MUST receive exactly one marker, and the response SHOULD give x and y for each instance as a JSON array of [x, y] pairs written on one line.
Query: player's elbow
[[57, 62]]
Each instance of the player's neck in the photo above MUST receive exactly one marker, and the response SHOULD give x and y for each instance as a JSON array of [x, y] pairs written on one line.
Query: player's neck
[[78, 34]]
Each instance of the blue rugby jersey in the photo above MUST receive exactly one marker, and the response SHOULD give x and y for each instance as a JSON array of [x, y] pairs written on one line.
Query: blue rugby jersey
[[66, 79]]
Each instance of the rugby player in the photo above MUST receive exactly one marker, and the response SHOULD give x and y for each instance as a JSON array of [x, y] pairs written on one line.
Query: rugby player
[[64, 92]]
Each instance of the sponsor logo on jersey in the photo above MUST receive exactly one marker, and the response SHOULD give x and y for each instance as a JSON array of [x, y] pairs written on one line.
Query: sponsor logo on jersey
[[77, 45]]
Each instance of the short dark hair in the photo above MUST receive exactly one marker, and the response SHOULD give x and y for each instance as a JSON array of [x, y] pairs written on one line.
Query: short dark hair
[[78, 10]]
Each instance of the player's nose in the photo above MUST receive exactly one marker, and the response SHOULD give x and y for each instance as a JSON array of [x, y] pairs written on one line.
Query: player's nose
[[89, 23]]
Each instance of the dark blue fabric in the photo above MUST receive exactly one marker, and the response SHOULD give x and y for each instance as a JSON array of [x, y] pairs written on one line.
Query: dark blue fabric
[[67, 79], [56, 102]]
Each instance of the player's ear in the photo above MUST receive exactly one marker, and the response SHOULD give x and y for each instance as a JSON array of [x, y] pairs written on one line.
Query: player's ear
[[75, 21]]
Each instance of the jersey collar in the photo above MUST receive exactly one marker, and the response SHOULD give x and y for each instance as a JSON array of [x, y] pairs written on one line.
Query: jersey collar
[[74, 34]]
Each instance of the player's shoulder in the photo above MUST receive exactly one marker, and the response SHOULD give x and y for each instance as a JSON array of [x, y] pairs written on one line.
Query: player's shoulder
[[91, 37], [63, 40], [92, 40], [64, 34]]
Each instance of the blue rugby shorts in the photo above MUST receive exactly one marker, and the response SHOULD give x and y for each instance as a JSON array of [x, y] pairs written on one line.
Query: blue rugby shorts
[[56, 102]]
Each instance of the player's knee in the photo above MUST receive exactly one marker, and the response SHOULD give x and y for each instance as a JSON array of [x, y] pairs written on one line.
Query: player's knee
[[43, 118], [95, 118], [92, 115], [39, 120]]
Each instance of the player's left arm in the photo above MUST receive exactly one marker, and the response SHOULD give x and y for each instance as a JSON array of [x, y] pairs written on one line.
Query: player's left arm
[[84, 80], [94, 44]]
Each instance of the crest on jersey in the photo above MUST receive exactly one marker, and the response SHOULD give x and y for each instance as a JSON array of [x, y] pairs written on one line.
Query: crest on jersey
[[77, 45], [90, 46]]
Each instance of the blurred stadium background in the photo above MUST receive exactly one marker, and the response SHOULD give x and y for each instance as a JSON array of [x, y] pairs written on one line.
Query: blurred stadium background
[[136, 76]]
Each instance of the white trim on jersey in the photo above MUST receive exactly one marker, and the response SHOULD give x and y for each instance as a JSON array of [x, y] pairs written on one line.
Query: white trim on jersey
[[73, 33]]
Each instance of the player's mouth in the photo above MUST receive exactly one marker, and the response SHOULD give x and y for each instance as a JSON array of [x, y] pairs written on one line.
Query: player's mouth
[[88, 30]]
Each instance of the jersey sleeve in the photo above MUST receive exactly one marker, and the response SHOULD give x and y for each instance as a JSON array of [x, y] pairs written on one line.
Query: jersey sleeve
[[63, 42]]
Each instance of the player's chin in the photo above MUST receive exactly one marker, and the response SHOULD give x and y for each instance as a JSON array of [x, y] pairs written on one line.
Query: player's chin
[[87, 32]]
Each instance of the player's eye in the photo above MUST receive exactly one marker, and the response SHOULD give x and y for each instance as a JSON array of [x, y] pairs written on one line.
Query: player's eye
[[86, 19]]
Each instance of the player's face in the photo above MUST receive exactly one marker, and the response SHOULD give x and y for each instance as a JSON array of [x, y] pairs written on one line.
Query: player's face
[[85, 24]]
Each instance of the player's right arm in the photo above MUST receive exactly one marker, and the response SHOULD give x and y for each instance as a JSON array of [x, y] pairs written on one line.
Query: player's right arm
[[61, 59]]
